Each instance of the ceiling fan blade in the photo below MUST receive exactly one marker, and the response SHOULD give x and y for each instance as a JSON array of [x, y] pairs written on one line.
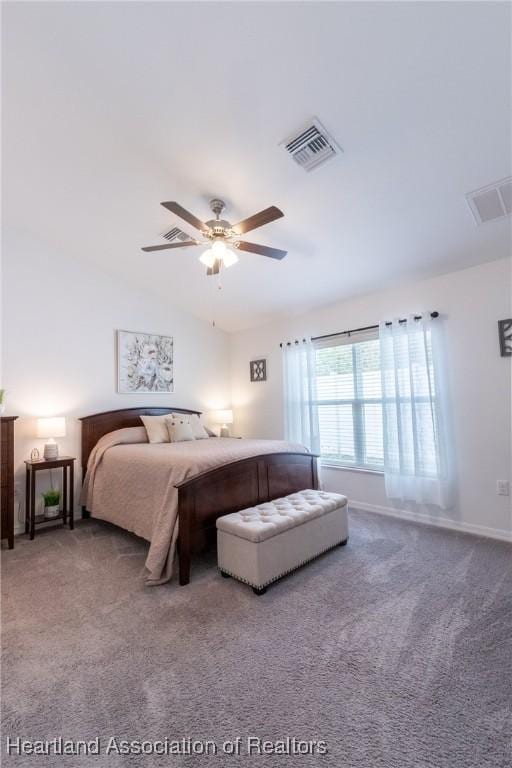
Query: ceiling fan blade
[[258, 220], [215, 269], [263, 250], [176, 208], [170, 245]]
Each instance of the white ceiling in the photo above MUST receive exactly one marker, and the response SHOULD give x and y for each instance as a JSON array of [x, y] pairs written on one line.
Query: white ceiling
[[110, 108]]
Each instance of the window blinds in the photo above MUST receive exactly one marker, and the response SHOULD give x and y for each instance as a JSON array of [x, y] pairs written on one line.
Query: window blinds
[[349, 400]]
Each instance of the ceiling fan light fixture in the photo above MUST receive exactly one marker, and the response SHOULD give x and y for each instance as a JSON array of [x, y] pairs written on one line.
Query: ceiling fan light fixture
[[208, 258], [218, 252], [219, 249], [229, 258]]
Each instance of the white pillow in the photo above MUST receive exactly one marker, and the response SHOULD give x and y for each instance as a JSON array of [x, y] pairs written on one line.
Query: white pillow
[[179, 430], [156, 428], [198, 430]]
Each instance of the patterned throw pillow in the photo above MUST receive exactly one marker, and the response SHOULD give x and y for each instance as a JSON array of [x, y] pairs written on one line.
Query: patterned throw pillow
[[179, 429], [198, 430]]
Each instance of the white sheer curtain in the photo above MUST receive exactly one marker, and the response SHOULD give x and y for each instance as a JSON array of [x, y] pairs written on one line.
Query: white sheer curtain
[[300, 409], [418, 454]]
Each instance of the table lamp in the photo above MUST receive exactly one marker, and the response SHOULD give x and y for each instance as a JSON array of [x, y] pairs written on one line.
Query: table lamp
[[224, 417], [51, 428]]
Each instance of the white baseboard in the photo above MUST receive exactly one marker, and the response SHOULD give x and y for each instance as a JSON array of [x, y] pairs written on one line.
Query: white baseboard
[[405, 514], [438, 522]]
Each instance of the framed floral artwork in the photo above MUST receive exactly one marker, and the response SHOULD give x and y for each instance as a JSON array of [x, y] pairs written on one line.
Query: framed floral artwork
[[145, 363]]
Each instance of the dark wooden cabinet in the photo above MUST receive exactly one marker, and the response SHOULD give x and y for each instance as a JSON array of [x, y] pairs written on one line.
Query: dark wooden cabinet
[[7, 478]]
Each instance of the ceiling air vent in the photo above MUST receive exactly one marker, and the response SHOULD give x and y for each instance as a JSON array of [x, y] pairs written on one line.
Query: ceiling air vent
[[311, 146], [491, 202], [176, 234]]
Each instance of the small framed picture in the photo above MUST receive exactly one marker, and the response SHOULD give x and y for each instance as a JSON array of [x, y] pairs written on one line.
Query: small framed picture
[[258, 370], [505, 334]]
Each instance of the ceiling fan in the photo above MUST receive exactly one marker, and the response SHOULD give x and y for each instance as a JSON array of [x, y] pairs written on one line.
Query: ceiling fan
[[219, 234]]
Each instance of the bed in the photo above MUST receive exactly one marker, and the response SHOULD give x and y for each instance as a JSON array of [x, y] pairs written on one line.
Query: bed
[[191, 485]]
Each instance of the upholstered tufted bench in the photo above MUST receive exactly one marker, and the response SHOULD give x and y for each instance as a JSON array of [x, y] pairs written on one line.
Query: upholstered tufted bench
[[260, 544]]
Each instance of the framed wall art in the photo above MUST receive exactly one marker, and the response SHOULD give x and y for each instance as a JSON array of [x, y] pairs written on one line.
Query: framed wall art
[[145, 363], [505, 334], [258, 369]]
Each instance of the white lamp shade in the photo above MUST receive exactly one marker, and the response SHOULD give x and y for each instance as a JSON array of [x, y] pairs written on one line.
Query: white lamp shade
[[51, 427], [229, 258], [208, 258], [223, 417], [219, 252]]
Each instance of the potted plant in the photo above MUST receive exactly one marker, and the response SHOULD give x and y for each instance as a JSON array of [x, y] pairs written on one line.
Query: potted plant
[[51, 504], [2, 404]]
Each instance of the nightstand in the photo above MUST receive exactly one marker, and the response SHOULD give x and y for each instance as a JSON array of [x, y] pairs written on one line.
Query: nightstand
[[67, 464], [7, 479]]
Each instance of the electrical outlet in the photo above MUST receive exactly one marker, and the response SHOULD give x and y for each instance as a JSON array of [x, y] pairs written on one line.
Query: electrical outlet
[[502, 487]]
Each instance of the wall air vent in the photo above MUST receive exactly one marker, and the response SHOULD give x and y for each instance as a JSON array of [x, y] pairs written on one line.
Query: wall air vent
[[311, 146], [491, 202], [176, 234]]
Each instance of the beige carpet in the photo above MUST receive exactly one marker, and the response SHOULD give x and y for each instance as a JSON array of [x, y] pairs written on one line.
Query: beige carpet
[[396, 650]]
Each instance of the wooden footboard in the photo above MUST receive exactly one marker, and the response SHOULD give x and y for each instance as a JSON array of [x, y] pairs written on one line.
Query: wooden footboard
[[235, 486]]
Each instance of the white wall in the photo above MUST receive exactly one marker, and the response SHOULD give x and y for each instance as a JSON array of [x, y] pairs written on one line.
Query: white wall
[[471, 301], [59, 322]]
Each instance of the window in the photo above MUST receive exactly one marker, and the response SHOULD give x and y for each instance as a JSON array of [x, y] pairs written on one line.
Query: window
[[349, 402], [378, 402], [351, 406]]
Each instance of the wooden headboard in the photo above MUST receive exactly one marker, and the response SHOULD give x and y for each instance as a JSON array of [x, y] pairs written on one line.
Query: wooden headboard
[[99, 424]]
